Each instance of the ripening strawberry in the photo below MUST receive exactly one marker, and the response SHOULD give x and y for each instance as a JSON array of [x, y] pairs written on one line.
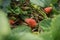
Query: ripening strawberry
[[11, 22], [48, 9], [31, 22]]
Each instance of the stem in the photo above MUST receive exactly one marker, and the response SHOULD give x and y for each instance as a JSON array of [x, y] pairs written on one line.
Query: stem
[[40, 11]]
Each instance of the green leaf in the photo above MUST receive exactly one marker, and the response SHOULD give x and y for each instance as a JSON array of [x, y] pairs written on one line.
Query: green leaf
[[22, 28], [54, 1], [37, 2], [46, 36], [54, 33], [23, 36], [43, 3], [4, 26], [22, 33], [56, 28], [30, 36], [18, 10], [45, 24]]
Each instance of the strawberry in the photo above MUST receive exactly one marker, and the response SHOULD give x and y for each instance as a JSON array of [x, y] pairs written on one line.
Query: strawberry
[[11, 22], [31, 22], [48, 9]]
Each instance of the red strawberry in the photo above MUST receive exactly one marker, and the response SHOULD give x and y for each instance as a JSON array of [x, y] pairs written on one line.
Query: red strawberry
[[31, 22], [48, 9], [11, 22]]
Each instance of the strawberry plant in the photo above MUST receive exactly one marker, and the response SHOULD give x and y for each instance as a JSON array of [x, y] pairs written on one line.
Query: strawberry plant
[[29, 20]]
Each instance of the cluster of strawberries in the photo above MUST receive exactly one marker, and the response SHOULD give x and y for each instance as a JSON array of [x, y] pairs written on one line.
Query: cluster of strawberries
[[31, 22]]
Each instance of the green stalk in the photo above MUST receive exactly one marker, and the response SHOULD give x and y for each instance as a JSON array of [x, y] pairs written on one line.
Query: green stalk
[[44, 14], [40, 11]]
